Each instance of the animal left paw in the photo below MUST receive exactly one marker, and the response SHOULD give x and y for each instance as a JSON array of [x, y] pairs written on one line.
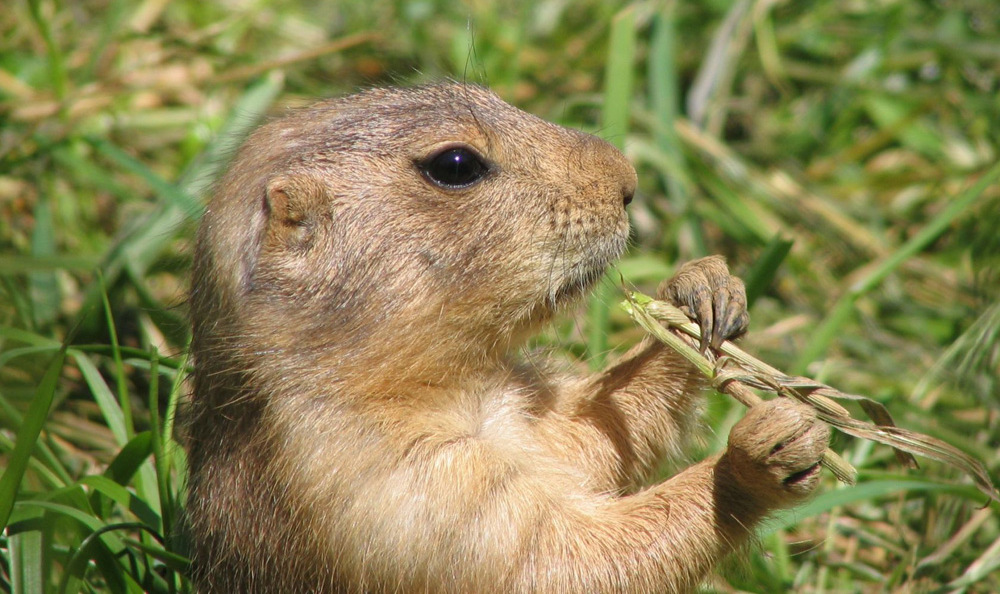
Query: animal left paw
[[714, 299]]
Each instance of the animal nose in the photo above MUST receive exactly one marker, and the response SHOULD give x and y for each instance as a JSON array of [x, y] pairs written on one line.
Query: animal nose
[[628, 192], [609, 167], [624, 174]]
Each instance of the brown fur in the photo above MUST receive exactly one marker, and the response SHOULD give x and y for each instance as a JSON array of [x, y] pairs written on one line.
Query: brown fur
[[361, 421]]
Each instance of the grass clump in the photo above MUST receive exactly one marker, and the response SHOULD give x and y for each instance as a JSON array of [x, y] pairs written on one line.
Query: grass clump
[[841, 155]]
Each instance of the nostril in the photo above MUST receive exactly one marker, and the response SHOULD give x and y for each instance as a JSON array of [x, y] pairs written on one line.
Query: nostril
[[628, 182]]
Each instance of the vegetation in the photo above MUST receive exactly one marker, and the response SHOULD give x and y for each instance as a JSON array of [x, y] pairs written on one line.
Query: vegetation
[[843, 155]]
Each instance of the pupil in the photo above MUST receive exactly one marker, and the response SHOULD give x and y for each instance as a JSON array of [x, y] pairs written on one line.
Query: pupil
[[455, 168], [457, 165]]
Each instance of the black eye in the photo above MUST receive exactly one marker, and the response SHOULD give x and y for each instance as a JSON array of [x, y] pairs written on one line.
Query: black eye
[[456, 167]]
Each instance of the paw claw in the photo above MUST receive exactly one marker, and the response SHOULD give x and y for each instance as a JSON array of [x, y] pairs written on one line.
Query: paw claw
[[711, 297]]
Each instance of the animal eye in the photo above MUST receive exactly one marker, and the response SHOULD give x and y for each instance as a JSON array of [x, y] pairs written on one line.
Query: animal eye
[[453, 168]]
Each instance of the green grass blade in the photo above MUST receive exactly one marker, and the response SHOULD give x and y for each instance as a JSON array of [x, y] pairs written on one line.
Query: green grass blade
[[81, 166], [82, 517], [30, 429], [45, 468], [665, 101], [160, 460], [14, 264], [134, 356], [246, 114], [618, 80], [930, 232], [173, 325], [901, 120], [134, 573], [105, 548], [643, 268], [123, 497], [28, 337], [863, 491], [176, 392], [124, 403], [167, 193], [130, 458], [843, 311], [663, 88], [103, 396], [730, 211], [176, 562], [146, 240], [981, 568], [47, 465], [27, 566], [57, 70], [12, 354], [765, 268], [45, 295], [20, 305]]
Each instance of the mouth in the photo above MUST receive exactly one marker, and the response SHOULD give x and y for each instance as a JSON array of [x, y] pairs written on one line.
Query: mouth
[[578, 284], [585, 269]]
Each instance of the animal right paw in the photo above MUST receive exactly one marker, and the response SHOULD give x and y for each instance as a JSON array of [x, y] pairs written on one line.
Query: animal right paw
[[774, 452]]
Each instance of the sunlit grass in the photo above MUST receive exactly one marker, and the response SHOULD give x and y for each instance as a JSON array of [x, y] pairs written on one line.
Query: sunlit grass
[[841, 155]]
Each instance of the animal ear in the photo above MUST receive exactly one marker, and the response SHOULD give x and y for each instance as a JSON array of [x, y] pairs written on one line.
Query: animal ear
[[287, 202], [292, 206]]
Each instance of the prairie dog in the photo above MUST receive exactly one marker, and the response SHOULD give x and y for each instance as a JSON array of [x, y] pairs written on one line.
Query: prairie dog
[[361, 420]]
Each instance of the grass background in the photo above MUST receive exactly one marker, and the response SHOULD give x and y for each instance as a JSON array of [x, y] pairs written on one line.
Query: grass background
[[843, 155]]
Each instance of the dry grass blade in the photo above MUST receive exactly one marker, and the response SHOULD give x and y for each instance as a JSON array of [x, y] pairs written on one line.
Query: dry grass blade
[[638, 307], [736, 372]]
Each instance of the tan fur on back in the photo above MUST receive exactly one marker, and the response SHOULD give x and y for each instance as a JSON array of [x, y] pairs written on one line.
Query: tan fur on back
[[361, 421]]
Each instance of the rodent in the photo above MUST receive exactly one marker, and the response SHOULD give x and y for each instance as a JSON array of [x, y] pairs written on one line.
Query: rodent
[[361, 418]]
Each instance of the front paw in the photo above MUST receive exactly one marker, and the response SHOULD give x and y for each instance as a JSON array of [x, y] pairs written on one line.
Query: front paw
[[714, 299], [774, 452]]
